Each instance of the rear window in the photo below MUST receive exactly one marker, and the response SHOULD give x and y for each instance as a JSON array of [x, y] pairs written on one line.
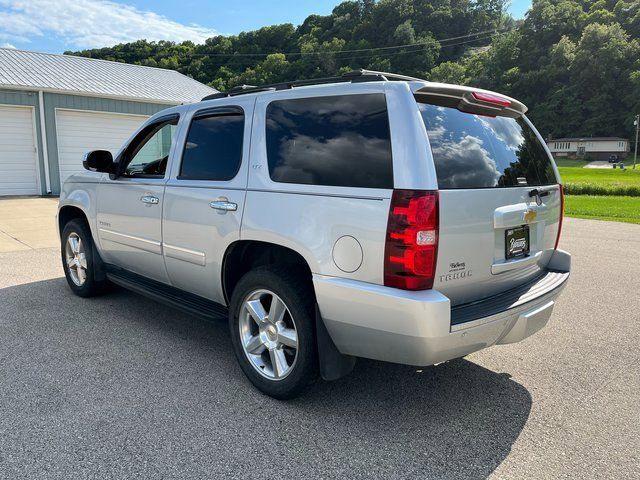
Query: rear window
[[339, 140], [472, 151]]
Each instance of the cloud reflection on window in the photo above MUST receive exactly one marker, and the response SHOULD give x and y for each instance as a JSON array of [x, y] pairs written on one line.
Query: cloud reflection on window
[[465, 164], [337, 140], [334, 161], [506, 130], [472, 151]]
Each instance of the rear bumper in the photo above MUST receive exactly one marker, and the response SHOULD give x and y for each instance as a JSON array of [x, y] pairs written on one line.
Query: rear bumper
[[421, 328]]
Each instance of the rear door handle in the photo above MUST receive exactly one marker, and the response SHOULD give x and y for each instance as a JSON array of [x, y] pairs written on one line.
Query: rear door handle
[[149, 199], [224, 206]]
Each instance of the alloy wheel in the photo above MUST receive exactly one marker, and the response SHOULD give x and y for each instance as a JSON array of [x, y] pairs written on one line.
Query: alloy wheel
[[268, 334], [76, 259]]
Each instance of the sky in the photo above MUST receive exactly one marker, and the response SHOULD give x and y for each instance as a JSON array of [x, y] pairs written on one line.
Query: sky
[[58, 25]]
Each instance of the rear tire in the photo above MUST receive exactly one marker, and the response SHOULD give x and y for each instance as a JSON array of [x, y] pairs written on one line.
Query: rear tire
[[77, 259], [272, 325]]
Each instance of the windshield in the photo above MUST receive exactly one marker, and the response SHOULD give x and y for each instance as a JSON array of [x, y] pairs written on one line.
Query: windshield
[[473, 151]]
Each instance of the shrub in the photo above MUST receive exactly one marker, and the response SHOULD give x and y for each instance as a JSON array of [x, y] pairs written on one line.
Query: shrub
[[599, 189]]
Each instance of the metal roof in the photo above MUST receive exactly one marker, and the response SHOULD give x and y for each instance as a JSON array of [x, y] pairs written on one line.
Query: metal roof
[[20, 69], [588, 139]]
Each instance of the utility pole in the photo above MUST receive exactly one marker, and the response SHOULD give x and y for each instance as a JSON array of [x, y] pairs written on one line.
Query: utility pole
[[635, 154]]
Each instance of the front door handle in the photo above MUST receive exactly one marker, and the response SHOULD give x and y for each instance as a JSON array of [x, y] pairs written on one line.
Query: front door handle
[[149, 199], [224, 205]]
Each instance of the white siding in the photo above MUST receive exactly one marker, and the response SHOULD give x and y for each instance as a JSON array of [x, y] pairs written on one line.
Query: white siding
[[589, 145], [18, 154], [605, 146], [79, 132]]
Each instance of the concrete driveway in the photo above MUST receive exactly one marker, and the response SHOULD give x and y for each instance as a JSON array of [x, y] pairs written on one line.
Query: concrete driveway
[[120, 387], [27, 223], [599, 164]]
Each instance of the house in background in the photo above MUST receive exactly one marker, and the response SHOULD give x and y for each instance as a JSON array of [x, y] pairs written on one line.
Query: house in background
[[54, 108], [595, 148]]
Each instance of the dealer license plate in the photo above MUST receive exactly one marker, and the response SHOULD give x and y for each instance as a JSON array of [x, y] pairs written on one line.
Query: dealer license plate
[[517, 242]]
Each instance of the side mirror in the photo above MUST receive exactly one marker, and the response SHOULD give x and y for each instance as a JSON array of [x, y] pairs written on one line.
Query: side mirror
[[99, 161]]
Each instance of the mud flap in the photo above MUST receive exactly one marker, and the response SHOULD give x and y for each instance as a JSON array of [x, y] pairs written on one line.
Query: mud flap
[[333, 364], [99, 274]]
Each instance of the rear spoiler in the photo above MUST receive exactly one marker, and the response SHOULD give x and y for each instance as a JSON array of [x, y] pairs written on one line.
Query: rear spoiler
[[470, 100]]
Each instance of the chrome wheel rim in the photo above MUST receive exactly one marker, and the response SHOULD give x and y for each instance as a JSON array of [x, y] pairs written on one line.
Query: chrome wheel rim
[[76, 259], [268, 334]]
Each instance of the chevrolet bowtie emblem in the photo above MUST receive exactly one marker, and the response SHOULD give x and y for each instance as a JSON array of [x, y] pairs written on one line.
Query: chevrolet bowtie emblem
[[530, 216]]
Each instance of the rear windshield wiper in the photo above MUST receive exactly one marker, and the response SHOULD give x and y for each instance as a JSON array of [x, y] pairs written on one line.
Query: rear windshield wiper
[[540, 192]]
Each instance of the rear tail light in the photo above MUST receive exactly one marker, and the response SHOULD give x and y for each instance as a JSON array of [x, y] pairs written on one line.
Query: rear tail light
[[561, 190], [411, 246]]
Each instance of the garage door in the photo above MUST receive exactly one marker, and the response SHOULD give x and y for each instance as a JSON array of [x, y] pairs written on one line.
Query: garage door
[[18, 155], [80, 132]]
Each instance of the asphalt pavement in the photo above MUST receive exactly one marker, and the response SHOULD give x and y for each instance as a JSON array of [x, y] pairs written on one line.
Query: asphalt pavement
[[121, 387]]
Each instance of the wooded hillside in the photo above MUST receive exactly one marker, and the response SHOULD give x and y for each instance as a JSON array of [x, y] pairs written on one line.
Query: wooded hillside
[[575, 63]]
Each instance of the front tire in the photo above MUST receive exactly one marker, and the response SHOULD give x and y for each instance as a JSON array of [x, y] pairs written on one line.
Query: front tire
[[271, 319], [77, 259]]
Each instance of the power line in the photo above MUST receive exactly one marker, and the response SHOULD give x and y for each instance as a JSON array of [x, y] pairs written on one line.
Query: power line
[[347, 58], [358, 50], [336, 55], [479, 37], [393, 54]]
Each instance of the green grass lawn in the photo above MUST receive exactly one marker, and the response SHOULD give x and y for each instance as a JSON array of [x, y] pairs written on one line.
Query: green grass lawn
[[601, 193], [601, 181], [601, 175], [614, 208]]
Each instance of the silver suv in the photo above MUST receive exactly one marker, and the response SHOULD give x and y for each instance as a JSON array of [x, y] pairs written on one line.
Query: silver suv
[[369, 215]]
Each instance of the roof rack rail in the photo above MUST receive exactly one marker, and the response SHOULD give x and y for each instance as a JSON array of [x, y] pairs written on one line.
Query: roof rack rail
[[354, 76], [385, 75]]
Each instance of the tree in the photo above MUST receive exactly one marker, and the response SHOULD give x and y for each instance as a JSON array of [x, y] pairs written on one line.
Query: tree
[[449, 72], [575, 63], [603, 62]]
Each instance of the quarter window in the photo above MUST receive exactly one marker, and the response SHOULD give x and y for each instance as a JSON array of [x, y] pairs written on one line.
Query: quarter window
[[213, 150], [339, 140]]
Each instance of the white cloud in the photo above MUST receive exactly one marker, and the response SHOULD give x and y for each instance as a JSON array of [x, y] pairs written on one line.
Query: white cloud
[[7, 45], [90, 23]]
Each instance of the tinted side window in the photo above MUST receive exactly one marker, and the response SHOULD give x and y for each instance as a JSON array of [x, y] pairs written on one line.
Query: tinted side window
[[471, 151], [340, 141], [213, 150]]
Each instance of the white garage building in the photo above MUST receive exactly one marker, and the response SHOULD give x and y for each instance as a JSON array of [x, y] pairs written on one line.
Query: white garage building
[[54, 108]]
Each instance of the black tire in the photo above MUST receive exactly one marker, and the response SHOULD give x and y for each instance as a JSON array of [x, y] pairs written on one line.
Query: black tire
[[91, 287], [296, 291]]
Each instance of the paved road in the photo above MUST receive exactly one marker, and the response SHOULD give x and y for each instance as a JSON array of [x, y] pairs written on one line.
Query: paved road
[[119, 387]]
